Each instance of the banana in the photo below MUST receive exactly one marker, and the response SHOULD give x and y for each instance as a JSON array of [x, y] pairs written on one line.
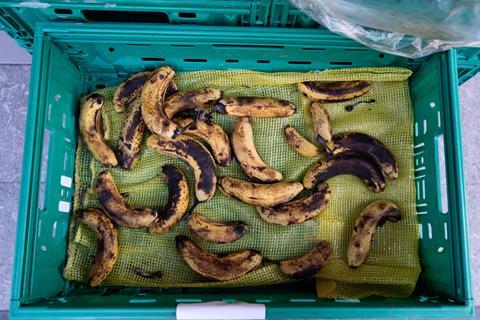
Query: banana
[[119, 211], [131, 136], [247, 155], [308, 265], [263, 195], [210, 132], [255, 107], [297, 211], [334, 91], [218, 267], [369, 147], [132, 88], [373, 216], [153, 96], [196, 156], [299, 143], [91, 131], [178, 198], [345, 164], [107, 247], [321, 124], [191, 99], [214, 231]]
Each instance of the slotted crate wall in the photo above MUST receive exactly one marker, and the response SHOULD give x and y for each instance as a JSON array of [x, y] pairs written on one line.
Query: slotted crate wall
[[70, 61]]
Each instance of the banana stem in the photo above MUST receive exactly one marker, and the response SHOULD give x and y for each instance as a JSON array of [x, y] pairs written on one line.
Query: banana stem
[[350, 107]]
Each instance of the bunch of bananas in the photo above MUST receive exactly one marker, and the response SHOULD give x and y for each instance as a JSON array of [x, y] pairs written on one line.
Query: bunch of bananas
[[151, 100]]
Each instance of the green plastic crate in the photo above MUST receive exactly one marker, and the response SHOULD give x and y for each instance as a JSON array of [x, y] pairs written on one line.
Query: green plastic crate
[[72, 59]]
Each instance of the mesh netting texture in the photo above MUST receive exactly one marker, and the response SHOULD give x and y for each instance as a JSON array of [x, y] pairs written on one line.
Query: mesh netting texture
[[392, 267]]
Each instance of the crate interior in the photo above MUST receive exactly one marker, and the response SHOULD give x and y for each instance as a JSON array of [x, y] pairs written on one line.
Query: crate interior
[[71, 61]]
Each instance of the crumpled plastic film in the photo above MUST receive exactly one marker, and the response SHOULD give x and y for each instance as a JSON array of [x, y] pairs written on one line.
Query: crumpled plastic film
[[393, 266]]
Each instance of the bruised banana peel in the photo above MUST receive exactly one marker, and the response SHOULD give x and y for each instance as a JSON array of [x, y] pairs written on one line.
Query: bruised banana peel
[[372, 216], [308, 265], [255, 107], [178, 199], [116, 208], [322, 125], [214, 231], [198, 99], [131, 136], [299, 143], [91, 131], [214, 266], [338, 91], [107, 247]]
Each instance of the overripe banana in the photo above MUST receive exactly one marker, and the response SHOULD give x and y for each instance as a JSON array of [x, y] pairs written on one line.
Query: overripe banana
[[263, 195], [153, 101], [198, 99], [214, 231], [338, 91], [308, 265], [132, 88], [211, 133], [91, 131], [107, 246], [369, 147], [255, 107], [195, 155], [351, 164], [131, 136], [116, 208], [178, 198], [218, 267], [322, 126], [373, 216], [298, 211], [299, 143], [247, 155]]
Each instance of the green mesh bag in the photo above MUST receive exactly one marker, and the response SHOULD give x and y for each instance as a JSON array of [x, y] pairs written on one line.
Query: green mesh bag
[[392, 267]]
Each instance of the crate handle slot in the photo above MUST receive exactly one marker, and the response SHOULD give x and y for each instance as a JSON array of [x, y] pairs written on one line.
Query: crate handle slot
[[441, 173], [125, 16], [220, 310]]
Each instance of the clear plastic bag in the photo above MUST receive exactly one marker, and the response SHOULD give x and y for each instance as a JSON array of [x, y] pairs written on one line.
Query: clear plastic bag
[[410, 28]]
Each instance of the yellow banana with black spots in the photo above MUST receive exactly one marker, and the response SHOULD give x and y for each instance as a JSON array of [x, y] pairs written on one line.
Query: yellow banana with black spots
[[215, 231], [198, 99], [324, 91], [308, 265]]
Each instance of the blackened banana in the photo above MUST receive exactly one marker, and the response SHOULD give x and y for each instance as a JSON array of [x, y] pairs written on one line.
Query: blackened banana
[[116, 208], [341, 164], [338, 91], [308, 265], [257, 194], [215, 231], [322, 125], [107, 247], [369, 147], [131, 136], [198, 99], [218, 267], [299, 143], [247, 156], [178, 198], [211, 133], [255, 107], [298, 211], [195, 155], [373, 216], [153, 101], [91, 131]]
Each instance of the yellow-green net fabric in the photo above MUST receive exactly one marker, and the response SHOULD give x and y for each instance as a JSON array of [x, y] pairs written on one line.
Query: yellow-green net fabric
[[392, 267]]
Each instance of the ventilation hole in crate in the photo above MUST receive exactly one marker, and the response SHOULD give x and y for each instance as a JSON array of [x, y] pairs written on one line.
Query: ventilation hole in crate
[[54, 229], [430, 230], [63, 11], [182, 46], [111, 291], [313, 49], [189, 15], [186, 300], [142, 300], [43, 169], [43, 248], [303, 300], [64, 121], [100, 86], [266, 300], [441, 174], [68, 45], [152, 59], [263, 61], [66, 181], [440, 249], [432, 104], [65, 161], [138, 44], [381, 55], [245, 46], [111, 49], [340, 63], [195, 60], [299, 62], [64, 206], [125, 16], [232, 60], [39, 228]]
